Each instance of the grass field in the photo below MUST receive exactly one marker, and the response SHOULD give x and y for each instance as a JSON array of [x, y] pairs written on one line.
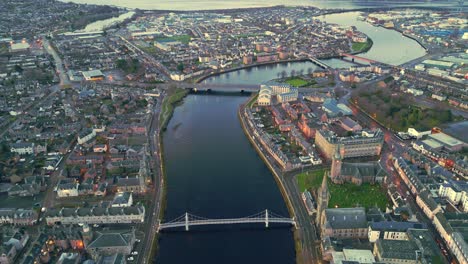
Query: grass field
[[344, 195], [310, 180], [299, 82], [358, 46], [350, 195]]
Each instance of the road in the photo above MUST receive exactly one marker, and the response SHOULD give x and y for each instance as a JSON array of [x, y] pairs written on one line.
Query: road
[[64, 81], [49, 197], [155, 161]]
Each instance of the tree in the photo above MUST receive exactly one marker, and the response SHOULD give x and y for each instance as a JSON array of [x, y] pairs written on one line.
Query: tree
[[180, 67], [18, 68], [283, 74], [293, 73]]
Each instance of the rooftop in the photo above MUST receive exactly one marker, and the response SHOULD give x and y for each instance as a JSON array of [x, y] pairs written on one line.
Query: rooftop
[[446, 139], [346, 218]]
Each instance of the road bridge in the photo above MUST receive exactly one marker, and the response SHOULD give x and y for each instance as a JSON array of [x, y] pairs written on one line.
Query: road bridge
[[354, 57], [265, 217], [221, 87], [319, 63]]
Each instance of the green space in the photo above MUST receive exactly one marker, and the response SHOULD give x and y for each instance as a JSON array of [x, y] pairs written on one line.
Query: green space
[[185, 39], [168, 104], [399, 111], [3, 48], [310, 179], [351, 195], [128, 66], [299, 82], [360, 46], [344, 195]]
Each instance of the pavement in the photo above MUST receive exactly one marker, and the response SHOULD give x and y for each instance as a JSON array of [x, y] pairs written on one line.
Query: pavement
[[156, 193]]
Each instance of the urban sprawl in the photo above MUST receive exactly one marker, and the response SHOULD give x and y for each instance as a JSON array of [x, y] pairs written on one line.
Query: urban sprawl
[[378, 151]]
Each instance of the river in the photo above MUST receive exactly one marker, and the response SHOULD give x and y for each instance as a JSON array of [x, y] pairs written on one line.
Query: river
[[103, 24], [213, 171], [389, 46]]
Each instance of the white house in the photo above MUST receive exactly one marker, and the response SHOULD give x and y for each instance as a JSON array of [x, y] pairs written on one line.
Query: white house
[[86, 135], [22, 148], [122, 199]]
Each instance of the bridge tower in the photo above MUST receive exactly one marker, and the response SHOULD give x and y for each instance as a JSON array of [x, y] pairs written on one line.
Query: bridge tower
[[266, 218], [186, 222]]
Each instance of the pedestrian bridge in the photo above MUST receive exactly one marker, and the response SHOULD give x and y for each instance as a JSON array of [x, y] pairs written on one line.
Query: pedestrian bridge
[[186, 220]]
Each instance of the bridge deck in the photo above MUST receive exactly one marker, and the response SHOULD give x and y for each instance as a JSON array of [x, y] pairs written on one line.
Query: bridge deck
[[226, 222]]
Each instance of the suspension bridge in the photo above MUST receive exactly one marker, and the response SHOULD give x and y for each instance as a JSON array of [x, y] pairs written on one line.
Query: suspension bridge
[[186, 220]]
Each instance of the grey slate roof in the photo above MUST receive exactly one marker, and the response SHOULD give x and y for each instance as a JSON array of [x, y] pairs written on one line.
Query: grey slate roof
[[346, 218], [112, 238]]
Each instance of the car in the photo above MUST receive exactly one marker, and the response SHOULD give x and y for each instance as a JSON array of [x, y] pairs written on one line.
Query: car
[[130, 258], [138, 240], [135, 253]]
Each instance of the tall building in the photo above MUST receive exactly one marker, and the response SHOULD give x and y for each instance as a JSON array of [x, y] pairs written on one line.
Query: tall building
[[323, 196], [356, 173], [337, 162], [367, 143]]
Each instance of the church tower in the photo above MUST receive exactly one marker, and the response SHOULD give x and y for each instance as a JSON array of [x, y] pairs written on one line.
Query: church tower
[[323, 196], [337, 162]]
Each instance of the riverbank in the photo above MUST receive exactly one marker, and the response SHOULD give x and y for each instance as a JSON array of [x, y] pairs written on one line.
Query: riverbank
[[168, 105], [167, 110], [277, 177], [368, 46]]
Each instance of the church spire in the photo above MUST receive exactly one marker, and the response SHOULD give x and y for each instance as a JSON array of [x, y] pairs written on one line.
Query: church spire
[[324, 187], [337, 155]]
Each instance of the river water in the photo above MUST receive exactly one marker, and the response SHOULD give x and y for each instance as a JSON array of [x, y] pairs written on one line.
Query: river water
[[389, 46], [213, 171]]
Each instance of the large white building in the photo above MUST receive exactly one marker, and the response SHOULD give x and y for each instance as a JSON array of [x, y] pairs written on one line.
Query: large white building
[[86, 136], [22, 148], [282, 93], [456, 193]]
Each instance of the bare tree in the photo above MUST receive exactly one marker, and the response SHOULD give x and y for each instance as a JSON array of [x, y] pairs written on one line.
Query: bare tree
[[293, 73], [283, 74]]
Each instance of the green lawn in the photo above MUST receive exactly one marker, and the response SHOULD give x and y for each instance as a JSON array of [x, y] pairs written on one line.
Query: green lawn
[[310, 180], [350, 195], [344, 195], [358, 46], [299, 82]]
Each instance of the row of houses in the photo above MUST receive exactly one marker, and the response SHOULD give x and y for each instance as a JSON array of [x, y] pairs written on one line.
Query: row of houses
[[433, 210]]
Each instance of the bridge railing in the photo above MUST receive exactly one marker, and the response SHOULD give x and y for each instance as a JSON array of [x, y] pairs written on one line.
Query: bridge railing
[[188, 220]]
